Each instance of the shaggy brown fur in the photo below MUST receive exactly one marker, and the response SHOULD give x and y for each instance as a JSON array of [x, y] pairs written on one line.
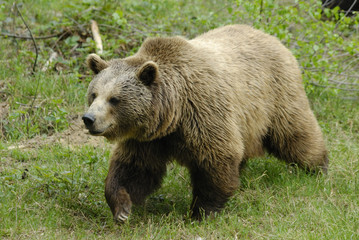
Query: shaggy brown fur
[[210, 103]]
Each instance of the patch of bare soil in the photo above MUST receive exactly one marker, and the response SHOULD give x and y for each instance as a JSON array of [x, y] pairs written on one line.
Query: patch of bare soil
[[75, 136], [4, 112]]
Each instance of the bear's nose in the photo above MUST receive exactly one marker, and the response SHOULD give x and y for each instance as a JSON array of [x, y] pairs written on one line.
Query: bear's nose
[[88, 119]]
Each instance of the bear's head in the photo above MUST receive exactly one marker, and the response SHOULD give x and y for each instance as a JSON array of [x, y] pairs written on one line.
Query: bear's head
[[121, 98]]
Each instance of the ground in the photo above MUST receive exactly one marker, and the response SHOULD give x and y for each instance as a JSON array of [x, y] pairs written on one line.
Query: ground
[[75, 136]]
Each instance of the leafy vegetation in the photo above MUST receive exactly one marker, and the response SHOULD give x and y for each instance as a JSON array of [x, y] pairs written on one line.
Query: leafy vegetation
[[54, 190]]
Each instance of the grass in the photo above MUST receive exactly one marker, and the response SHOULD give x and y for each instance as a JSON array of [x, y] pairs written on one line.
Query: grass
[[55, 190]]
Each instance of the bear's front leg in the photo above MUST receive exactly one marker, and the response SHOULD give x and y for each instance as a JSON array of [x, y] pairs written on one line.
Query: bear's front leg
[[130, 182], [120, 203]]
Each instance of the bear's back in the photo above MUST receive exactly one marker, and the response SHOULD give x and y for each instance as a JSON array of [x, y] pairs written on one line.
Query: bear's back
[[245, 46], [262, 73]]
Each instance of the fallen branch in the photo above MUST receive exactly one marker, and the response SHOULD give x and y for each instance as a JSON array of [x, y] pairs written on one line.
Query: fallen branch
[[29, 37], [96, 37]]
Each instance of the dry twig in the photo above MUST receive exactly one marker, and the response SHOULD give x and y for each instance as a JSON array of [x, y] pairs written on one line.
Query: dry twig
[[32, 38]]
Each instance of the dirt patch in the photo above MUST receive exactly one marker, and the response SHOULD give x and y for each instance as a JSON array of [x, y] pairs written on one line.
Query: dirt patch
[[4, 110], [73, 137]]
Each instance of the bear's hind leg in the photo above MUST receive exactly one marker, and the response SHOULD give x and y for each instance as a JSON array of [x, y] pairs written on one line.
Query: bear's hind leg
[[298, 139]]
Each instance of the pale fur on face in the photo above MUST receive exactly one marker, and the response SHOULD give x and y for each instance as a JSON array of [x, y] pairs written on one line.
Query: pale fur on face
[[118, 98]]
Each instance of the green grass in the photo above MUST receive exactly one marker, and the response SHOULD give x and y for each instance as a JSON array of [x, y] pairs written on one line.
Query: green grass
[[56, 190]]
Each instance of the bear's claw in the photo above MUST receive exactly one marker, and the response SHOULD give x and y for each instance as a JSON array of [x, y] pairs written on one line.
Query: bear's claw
[[121, 217], [122, 206]]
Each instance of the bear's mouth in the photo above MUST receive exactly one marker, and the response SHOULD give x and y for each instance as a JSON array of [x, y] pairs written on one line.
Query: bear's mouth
[[96, 132]]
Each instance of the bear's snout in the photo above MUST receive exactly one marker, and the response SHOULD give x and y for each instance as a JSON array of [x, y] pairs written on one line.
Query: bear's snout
[[89, 120]]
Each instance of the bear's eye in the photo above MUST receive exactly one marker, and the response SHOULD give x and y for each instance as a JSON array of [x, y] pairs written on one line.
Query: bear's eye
[[114, 101], [93, 96]]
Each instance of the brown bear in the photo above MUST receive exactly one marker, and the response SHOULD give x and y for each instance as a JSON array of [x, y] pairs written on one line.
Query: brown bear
[[209, 103]]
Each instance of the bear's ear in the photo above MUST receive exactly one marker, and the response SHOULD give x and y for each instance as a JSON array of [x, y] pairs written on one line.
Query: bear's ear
[[95, 63], [148, 73]]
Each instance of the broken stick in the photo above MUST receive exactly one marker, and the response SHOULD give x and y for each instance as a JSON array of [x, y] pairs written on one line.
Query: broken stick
[[96, 37], [48, 62]]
